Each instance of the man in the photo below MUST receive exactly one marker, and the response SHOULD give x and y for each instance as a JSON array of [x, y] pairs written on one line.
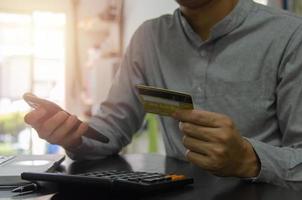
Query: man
[[242, 63]]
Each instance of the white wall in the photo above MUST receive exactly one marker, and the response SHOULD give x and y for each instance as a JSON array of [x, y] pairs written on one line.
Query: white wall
[[138, 11], [30, 5]]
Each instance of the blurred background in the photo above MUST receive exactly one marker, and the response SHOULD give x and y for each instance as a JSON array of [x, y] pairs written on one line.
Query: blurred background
[[68, 52]]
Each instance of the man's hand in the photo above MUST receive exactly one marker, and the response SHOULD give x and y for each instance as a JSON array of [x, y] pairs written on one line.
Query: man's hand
[[61, 128], [54, 124], [215, 145]]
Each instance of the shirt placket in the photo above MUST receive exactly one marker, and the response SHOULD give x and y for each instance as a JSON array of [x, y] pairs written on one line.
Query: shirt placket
[[200, 80]]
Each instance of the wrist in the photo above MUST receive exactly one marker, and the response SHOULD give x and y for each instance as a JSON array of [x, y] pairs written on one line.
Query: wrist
[[251, 165], [74, 145]]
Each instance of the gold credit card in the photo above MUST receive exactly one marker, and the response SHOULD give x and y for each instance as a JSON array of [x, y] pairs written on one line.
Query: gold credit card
[[162, 101]]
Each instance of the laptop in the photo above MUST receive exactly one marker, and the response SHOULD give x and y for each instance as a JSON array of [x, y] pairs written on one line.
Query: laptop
[[11, 167]]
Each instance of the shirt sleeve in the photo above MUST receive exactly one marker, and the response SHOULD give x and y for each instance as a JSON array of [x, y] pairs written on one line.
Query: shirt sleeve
[[121, 114], [282, 165]]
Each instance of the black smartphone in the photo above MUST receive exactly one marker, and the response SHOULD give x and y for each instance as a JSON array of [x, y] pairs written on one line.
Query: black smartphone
[[52, 108]]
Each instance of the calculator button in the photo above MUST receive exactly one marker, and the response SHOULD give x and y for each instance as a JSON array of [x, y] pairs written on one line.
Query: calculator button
[[149, 180], [123, 176], [114, 177], [151, 176], [121, 180], [134, 179], [88, 174], [162, 179], [176, 177]]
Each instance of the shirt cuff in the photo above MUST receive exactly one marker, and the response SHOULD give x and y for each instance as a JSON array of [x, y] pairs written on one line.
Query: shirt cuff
[[264, 172], [91, 149]]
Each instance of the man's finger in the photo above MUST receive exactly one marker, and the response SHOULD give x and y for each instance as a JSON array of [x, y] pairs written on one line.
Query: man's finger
[[200, 160], [197, 146], [31, 98], [199, 132], [36, 102], [51, 124], [81, 130], [70, 124], [199, 117], [75, 138], [33, 117], [62, 133]]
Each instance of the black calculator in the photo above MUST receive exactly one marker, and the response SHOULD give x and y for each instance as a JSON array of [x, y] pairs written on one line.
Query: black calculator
[[114, 180]]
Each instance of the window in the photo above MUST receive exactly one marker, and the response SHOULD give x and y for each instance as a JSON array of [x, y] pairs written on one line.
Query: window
[[262, 1], [32, 58]]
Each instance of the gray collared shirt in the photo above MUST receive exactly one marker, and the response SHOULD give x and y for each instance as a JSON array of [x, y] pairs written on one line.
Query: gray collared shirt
[[249, 69]]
